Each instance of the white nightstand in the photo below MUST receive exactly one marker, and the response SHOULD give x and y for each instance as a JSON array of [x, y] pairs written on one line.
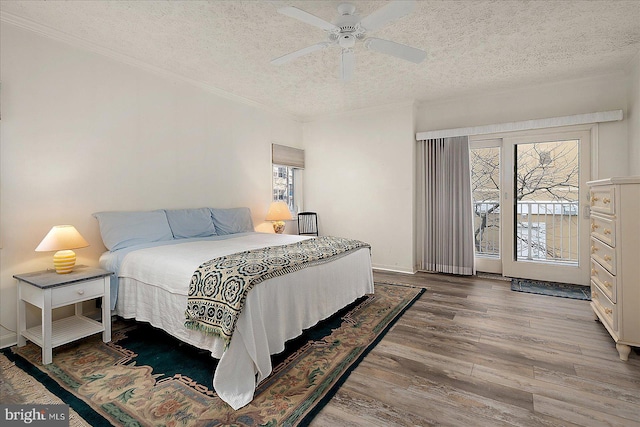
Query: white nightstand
[[48, 290]]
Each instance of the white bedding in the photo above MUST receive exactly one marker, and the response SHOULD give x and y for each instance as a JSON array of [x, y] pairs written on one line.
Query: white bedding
[[154, 284]]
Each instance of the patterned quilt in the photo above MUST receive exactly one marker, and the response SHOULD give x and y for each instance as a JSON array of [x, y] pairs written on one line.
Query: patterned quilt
[[219, 287]]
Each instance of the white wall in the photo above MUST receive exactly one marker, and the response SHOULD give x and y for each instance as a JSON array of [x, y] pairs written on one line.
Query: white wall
[[633, 114], [359, 179], [81, 133], [537, 102]]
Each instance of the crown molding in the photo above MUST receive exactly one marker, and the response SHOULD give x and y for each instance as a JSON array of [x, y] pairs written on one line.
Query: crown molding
[[78, 42]]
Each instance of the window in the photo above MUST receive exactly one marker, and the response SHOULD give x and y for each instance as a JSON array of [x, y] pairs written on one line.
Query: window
[[284, 186], [287, 166], [485, 186]]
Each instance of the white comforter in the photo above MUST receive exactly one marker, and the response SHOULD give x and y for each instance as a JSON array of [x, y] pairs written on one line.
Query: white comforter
[[154, 284]]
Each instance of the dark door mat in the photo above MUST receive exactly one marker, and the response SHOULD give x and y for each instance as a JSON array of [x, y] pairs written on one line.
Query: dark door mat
[[563, 290]]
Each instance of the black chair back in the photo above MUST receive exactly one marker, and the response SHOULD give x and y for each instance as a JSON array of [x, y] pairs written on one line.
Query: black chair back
[[307, 224]]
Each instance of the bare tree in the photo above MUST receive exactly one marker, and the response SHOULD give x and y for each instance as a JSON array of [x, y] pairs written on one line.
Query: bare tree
[[545, 172], [485, 187]]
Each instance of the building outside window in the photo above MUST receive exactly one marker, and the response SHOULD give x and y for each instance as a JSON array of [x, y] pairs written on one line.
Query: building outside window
[[287, 166], [284, 186]]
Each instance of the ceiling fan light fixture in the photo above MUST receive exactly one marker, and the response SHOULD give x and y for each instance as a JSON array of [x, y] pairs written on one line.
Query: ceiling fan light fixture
[[348, 28], [347, 41]]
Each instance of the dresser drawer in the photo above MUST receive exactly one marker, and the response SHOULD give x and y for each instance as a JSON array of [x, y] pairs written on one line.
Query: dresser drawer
[[604, 254], [605, 280], [607, 310], [603, 199], [82, 291], [604, 229]]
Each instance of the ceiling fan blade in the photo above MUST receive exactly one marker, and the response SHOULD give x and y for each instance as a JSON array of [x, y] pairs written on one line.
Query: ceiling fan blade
[[308, 18], [347, 65], [386, 14], [395, 49], [298, 53]]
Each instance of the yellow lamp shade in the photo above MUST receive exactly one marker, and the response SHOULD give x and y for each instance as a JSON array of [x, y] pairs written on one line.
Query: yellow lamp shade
[[278, 213]]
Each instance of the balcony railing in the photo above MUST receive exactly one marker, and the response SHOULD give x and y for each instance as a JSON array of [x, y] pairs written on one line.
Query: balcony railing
[[546, 231]]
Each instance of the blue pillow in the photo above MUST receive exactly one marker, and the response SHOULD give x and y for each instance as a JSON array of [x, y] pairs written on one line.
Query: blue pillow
[[123, 229], [230, 221], [187, 223]]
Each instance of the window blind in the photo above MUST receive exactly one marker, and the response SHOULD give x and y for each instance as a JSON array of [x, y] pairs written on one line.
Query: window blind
[[287, 156]]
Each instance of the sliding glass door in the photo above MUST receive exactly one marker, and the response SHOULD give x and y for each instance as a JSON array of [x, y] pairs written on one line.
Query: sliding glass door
[[485, 187], [530, 205]]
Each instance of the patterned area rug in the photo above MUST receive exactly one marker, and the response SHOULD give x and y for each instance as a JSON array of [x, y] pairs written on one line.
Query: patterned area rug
[[19, 388], [146, 377], [563, 290]]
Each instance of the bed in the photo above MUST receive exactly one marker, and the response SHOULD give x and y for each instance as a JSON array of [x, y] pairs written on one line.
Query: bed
[[155, 254]]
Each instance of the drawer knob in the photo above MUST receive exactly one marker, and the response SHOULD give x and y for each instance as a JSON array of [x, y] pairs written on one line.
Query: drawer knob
[[594, 272], [607, 284], [594, 249], [81, 292], [594, 199], [607, 258], [594, 294], [608, 310], [607, 231], [605, 200], [594, 226]]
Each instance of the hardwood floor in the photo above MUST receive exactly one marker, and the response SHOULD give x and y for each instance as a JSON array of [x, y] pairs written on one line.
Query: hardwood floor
[[471, 352]]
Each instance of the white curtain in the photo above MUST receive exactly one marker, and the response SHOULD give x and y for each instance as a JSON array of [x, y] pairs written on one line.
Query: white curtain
[[445, 211]]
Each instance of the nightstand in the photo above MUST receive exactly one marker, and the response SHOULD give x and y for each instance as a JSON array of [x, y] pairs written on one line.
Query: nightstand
[[48, 290]]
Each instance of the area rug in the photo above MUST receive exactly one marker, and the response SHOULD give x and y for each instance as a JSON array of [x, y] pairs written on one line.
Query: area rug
[[146, 377], [19, 388], [554, 289]]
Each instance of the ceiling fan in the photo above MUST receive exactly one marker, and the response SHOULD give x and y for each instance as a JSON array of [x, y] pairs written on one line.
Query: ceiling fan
[[348, 28]]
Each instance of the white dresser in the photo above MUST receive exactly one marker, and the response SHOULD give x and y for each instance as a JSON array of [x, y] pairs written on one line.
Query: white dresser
[[615, 258]]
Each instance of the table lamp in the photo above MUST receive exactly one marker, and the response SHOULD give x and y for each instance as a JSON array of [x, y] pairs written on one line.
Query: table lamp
[[278, 214], [62, 238]]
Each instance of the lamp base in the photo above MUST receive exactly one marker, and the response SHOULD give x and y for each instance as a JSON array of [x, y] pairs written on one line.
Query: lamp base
[[278, 226], [64, 261]]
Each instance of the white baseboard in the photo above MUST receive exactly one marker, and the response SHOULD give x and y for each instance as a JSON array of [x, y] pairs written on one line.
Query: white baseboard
[[7, 340], [393, 269]]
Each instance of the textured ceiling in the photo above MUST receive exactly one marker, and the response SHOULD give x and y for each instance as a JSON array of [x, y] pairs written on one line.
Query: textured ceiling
[[472, 46]]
